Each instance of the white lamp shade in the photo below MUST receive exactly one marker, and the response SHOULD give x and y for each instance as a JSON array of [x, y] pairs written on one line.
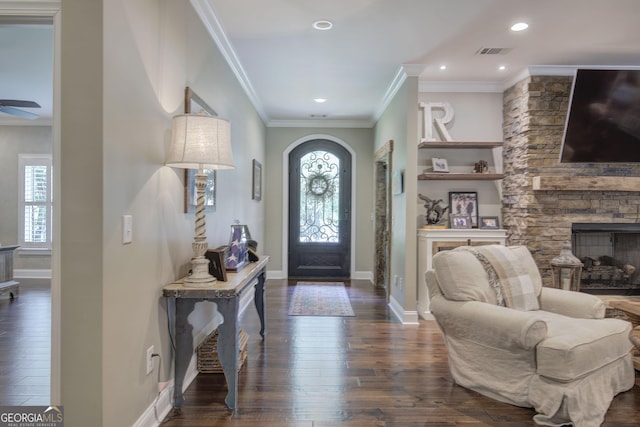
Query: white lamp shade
[[200, 141]]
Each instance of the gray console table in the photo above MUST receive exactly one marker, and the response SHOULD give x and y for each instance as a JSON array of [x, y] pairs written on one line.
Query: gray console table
[[227, 297], [7, 284]]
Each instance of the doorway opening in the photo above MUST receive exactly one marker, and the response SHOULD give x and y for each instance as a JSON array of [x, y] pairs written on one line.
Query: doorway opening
[[383, 216], [35, 33], [319, 229]]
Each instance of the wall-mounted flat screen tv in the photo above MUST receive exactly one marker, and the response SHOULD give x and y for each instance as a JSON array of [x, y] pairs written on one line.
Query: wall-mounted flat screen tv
[[603, 122]]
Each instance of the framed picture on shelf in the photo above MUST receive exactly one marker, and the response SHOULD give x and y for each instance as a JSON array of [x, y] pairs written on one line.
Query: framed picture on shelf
[[440, 165], [465, 203], [489, 222], [460, 221]]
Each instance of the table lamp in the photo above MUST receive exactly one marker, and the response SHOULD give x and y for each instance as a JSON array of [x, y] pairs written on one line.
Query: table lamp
[[199, 141]]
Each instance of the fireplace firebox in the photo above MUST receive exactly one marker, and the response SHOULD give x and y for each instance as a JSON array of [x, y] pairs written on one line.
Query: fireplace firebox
[[611, 257]]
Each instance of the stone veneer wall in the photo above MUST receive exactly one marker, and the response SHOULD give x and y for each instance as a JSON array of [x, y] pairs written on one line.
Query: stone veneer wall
[[534, 117]]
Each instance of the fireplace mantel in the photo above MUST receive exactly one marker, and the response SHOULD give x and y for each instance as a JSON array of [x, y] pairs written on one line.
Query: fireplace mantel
[[586, 183]]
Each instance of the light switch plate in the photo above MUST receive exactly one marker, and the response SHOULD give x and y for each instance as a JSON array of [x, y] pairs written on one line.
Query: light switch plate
[[127, 229]]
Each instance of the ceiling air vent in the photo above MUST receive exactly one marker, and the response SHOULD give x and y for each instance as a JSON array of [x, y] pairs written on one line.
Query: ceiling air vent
[[493, 51]]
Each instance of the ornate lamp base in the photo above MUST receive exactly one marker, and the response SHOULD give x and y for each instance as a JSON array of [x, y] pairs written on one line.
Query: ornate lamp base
[[200, 277]]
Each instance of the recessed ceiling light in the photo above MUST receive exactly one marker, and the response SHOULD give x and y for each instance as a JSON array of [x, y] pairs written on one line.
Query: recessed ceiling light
[[443, 67], [320, 100], [502, 68], [519, 26], [323, 25]]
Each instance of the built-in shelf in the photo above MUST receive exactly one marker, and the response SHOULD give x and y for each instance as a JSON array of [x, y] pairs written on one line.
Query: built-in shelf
[[586, 183], [460, 176], [459, 144]]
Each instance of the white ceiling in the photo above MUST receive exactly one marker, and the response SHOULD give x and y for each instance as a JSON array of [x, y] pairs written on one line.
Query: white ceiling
[[284, 63], [288, 63]]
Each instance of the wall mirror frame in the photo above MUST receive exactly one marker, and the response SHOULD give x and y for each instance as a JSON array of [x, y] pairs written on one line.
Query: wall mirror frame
[[193, 104]]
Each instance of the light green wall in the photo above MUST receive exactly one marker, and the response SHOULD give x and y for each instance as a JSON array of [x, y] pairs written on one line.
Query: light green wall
[[124, 68], [16, 140], [361, 142], [399, 123], [80, 236]]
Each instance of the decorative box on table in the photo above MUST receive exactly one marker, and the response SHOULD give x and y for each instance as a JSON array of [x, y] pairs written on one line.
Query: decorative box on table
[[238, 255]]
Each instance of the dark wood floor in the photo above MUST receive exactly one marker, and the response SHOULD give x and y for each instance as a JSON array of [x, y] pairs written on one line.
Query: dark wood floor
[[25, 346], [367, 370]]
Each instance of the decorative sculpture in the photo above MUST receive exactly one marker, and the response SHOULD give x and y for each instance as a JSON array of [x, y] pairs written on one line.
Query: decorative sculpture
[[439, 122], [435, 211]]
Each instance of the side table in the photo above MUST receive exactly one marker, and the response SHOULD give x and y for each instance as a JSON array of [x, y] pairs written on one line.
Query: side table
[[631, 307]]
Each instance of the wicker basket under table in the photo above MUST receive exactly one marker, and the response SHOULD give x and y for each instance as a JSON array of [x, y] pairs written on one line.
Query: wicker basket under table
[[208, 361]]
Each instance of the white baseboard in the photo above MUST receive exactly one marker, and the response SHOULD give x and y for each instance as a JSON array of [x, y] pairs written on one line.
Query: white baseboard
[[406, 317], [363, 275], [424, 312], [161, 406], [164, 403], [32, 273], [276, 274]]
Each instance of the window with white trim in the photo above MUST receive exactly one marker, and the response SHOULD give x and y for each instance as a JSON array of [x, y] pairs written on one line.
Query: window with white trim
[[35, 203]]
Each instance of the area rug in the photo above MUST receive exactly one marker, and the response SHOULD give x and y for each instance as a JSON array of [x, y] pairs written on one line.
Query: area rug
[[320, 299]]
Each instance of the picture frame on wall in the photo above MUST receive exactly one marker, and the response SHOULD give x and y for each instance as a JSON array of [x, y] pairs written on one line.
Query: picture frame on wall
[[256, 181], [490, 222], [460, 221], [464, 202], [397, 182], [193, 104]]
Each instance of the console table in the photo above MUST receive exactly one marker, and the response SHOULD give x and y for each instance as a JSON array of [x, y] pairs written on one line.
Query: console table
[[227, 297], [7, 284]]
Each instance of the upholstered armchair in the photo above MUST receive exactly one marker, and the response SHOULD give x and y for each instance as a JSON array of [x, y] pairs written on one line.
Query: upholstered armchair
[[513, 340]]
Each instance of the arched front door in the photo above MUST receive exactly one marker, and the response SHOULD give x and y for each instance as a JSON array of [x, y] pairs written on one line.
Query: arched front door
[[319, 210]]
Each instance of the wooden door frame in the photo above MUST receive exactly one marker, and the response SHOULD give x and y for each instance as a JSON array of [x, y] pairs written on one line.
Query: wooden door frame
[[384, 155], [285, 198]]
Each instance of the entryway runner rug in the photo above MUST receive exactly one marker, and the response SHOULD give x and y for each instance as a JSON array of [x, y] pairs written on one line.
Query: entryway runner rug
[[320, 299]]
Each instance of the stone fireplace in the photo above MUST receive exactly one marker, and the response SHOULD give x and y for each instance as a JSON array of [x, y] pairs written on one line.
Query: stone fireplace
[[541, 198]]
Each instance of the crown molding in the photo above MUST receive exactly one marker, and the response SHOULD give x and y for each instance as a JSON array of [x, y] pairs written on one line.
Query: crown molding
[[321, 123], [501, 86], [205, 11], [413, 70], [404, 71], [460, 86]]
